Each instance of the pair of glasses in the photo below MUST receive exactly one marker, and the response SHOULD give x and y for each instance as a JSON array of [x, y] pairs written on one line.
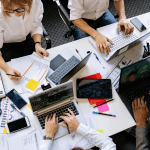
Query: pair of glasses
[[16, 10]]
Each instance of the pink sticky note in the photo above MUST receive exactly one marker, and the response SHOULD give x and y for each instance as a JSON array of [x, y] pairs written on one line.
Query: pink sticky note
[[103, 107]]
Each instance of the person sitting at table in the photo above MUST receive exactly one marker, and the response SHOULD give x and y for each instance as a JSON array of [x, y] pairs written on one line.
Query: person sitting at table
[[96, 138], [87, 15], [20, 31]]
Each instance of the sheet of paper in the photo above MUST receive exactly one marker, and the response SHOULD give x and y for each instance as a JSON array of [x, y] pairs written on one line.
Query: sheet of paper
[[103, 107], [27, 142], [3, 142]]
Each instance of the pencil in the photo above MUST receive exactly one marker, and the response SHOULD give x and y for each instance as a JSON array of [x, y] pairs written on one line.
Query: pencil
[[103, 103], [13, 75], [104, 114]]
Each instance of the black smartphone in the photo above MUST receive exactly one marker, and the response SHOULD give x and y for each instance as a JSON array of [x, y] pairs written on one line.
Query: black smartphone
[[93, 88], [16, 98], [138, 24]]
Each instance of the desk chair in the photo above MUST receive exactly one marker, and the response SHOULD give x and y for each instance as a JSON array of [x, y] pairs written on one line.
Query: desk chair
[[47, 38], [64, 13]]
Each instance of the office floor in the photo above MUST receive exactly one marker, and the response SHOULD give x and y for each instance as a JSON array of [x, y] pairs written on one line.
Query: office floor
[[56, 28]]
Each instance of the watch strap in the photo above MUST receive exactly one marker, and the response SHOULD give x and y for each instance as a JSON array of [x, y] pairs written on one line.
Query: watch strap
[[47, 138], [37, 42]]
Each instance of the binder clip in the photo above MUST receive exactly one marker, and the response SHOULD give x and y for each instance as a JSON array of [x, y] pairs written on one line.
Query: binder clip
[[45, 87]]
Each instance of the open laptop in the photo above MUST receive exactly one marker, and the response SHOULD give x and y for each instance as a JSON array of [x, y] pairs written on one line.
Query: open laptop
[[134, 83], [55, 100], [67, 67], [121, 42]]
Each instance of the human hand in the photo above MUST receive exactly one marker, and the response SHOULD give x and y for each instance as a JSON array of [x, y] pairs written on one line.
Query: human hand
[[13, 72], [102, 43], [140, 111], [51, 125], [41, 51], [71, 120], [127, 26]]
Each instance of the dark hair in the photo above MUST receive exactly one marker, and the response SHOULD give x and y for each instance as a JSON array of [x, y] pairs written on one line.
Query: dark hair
[[77, 148]]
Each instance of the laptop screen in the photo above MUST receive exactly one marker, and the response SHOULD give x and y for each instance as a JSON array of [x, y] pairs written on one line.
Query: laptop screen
[[52, 96], [134, 74]]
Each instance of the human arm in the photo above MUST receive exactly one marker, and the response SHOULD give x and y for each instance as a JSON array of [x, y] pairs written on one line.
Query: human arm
[[119, 5], [96, 138], [140, 111]]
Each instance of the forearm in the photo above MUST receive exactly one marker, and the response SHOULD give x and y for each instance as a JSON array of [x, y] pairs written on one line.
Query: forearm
[[119, 5], [81, 24], [3, 64], [37, 37]]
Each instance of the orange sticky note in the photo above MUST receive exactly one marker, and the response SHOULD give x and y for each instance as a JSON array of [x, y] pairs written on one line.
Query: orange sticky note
[[32, 85]]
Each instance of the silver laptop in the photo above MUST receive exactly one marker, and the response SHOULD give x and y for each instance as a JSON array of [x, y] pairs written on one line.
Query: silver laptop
[[121, 42], [55, 100]]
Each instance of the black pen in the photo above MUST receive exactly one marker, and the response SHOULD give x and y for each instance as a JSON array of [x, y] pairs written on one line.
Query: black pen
[[78, 53], [145, 49], [99, 60], [13, 75], [66, 125], [148, 46]]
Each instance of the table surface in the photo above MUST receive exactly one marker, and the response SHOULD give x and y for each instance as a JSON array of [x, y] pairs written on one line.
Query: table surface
[[110, 125]]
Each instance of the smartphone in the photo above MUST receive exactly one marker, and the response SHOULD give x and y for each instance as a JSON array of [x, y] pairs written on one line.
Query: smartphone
[[16, 98], [138, 24], [94, 88], [17, 125]]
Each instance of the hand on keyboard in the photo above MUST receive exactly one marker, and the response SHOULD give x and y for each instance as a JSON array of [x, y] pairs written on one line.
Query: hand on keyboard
[[128, 27], [71, 120], [102, 43]]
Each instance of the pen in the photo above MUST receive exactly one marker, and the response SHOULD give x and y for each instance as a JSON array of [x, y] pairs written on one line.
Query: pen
[[66, 125], [103, 103], [12, 75], [18, 110], [78, 53], [99, 60], [145, 49], [148, 46], [104, 114]]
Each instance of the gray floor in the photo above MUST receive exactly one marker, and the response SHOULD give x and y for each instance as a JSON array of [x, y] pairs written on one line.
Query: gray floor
[[56, 28]]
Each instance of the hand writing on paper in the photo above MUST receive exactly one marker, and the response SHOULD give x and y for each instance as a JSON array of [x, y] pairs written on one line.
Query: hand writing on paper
[[140, 111], [71, 120], [51, 125], [13, 72], [41, 51]]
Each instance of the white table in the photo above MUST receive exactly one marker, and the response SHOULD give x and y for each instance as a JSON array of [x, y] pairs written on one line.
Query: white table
[[110, 125]]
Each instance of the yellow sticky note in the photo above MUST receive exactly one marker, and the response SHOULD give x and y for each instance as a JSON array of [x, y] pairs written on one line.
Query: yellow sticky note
[[32, 85], [101, 131], [4, 131], [29, 106]]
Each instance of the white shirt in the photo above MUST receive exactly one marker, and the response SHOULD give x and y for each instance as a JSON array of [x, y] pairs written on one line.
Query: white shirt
[[88, 9], [15, 29], [96, 138]]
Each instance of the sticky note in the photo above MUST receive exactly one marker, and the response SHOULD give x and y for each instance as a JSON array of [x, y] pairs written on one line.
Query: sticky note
[[32, 85], [29, 106], [102, 108], [4, 131], [101, 131]]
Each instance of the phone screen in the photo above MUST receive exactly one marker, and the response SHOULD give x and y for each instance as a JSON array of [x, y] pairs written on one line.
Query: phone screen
[[17, 125], [94, 88], [138, 24], [16, 98]]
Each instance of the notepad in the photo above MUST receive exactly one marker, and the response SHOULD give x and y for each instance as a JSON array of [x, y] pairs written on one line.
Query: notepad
[[32, 85], [101, 131], [102, 108]]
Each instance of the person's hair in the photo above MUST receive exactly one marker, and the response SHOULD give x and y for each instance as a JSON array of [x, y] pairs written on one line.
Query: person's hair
[[7, 5], [77, 148]]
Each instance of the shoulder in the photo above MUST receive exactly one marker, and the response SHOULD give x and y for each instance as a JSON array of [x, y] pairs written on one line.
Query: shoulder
[[1, 13]]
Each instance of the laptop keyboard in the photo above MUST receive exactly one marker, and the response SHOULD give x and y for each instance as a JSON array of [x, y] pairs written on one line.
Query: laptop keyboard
[[137, 92], [59, 112], [122, 40], [67, 66]]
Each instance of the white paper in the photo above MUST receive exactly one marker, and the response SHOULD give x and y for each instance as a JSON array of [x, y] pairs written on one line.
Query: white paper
[[3, 142]]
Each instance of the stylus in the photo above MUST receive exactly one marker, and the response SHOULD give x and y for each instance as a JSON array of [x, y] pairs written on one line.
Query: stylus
[[103, 103], [18, 110], [98, 60], [78, 53], [104, 114]]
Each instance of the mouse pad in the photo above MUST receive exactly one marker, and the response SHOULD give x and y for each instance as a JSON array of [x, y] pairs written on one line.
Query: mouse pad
[[56, 62]]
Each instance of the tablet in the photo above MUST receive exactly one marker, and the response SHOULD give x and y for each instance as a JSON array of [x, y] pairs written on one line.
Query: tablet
[[93, 88]]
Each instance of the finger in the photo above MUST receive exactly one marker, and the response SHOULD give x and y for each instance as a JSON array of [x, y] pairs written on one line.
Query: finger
[[106, 50], [44, 52], [54, 117], [142, 100], [63, 125], [46, 119], [119, 27], [146, 107], [47, 54], [67, 114], [17, 73], [64, 118], [110, 41], [126, 29], [101, 48], [139, 101], [98, 46], [135, 103], [50, 117], [56, 120], [71, 112], [39, 53], [129, 28]]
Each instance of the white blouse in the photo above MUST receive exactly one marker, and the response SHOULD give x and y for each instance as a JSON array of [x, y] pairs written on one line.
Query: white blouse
[[15, 29]]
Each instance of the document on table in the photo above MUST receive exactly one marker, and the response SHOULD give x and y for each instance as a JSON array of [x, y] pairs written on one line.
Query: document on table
[[33, 70], [3, 142]]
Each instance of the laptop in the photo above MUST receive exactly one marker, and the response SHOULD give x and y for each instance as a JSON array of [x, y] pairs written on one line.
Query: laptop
[[55, 100], [134, 82], [67, 69], [121, 42]]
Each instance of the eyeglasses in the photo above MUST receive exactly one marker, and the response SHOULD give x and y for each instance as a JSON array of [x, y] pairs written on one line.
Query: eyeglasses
[[16, 10]]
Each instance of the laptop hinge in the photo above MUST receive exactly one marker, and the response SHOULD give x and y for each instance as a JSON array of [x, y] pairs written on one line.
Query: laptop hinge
[[55, 106]]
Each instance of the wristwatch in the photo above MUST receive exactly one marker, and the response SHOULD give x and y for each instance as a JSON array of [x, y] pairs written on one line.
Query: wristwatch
[[47, 138], [37, 42]]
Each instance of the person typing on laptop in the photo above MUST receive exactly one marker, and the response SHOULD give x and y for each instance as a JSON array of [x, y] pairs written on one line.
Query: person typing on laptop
[[87, 15], [96, 138]]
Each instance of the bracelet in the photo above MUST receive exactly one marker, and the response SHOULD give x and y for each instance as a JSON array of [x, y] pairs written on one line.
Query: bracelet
[[37, 42]]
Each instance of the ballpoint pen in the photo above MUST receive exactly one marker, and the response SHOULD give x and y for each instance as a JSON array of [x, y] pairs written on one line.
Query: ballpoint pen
[[13, 75], [98, 60], [104, 114], [78, 53], [103, 103], [66, 125]]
